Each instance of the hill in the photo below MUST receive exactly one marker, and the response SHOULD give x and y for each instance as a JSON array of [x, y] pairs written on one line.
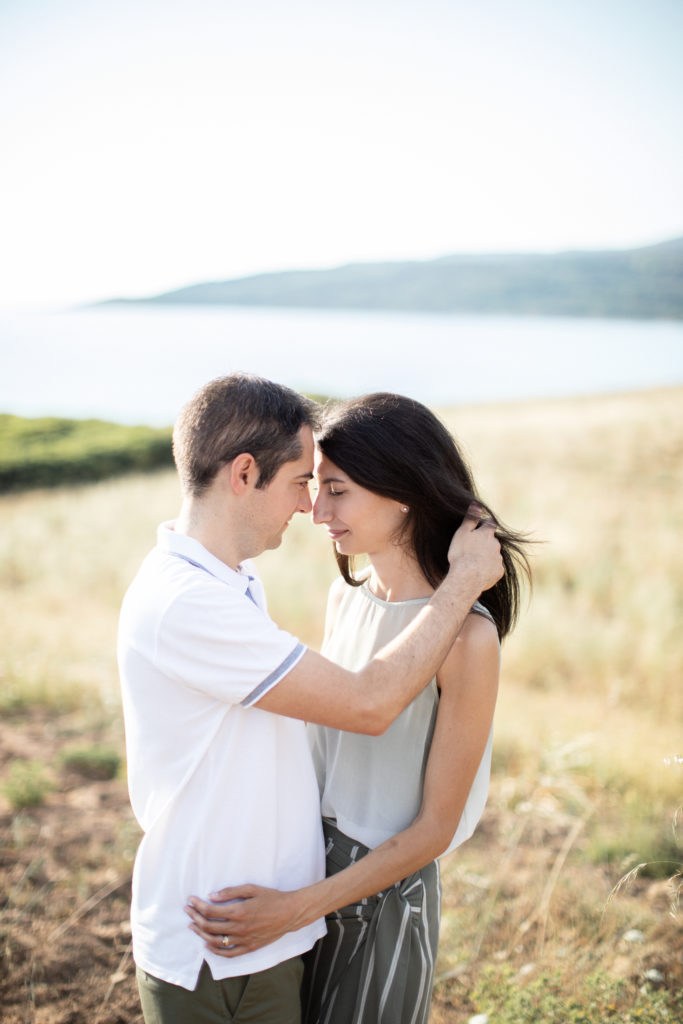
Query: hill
[[643, 283], [50, 451]]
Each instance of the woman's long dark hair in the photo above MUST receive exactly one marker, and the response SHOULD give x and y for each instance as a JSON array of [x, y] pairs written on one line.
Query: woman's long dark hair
[[399, 449]]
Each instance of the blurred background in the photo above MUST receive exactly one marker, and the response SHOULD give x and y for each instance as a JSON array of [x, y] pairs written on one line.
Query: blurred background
[[153, 146], [479, 205]]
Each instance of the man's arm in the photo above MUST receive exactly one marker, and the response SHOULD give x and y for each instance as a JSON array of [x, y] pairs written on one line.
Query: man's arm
[[253, 916], [368, 701]]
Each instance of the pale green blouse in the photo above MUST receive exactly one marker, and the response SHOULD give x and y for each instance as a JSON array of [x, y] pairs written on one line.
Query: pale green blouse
[[371, 786]]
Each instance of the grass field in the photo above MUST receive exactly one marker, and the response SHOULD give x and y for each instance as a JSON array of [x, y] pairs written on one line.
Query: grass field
[[545, 916]]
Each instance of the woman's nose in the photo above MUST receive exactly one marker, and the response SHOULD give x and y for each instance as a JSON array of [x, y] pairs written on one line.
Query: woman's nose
[[320, 509]]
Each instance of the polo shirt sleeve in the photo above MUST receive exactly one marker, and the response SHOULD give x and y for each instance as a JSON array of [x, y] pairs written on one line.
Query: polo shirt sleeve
[[215, 640]]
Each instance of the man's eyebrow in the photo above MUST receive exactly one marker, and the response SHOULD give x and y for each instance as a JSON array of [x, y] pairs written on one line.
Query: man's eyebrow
[[304, 476]]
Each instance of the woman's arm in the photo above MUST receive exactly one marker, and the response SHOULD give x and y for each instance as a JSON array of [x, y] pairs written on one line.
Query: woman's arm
[[468, 681]]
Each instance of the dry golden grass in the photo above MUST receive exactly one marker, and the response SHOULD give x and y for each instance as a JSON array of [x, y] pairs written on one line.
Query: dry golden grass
[[596, 481], [66, 557], [597, 654], [591, 703]]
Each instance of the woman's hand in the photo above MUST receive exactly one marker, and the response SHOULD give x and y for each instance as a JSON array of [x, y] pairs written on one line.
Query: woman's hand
[[475, 549], [242, 918]]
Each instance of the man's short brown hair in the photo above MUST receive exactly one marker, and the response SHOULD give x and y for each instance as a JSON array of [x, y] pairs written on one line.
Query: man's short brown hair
[[236, 414]]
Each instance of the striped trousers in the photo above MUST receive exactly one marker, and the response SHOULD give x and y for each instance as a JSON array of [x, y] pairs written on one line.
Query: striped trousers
[[376, 963]]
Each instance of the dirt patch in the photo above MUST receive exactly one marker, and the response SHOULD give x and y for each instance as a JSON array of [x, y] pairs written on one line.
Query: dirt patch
[[65, 869]]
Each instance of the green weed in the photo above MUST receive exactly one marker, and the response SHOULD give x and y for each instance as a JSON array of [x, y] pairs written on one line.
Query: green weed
[[652, 848], [594, 999], [18, 695], [26, 784], [92, 761]]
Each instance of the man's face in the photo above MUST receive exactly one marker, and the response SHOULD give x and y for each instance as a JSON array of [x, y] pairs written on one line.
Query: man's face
[[287, 493]]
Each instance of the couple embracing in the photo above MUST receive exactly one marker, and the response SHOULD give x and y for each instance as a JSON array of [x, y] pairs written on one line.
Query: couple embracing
[[288, 872]]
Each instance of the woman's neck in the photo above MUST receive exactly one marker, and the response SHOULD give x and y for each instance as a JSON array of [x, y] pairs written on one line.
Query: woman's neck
[[395, 575]]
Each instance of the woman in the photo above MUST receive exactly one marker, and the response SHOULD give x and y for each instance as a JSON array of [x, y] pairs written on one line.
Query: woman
[[392, 486]]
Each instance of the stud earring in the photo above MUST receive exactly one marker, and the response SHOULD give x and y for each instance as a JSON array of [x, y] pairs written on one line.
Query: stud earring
[[404, 508]]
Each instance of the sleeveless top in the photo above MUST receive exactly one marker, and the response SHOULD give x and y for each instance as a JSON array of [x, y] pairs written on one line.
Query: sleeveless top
[[371, 786]]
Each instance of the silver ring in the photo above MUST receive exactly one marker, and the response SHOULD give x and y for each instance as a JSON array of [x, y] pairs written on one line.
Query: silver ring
[[225, 941]]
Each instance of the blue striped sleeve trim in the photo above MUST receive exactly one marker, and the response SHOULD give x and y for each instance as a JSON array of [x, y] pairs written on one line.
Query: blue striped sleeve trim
[[275, 676]]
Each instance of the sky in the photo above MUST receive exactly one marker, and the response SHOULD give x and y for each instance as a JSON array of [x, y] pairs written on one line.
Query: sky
[[152, 144]]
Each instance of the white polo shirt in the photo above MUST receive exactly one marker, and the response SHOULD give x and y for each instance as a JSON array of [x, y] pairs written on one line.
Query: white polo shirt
[[225, 793]]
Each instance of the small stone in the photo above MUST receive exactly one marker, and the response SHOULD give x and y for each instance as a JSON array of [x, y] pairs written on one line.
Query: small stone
[[634, 935], [655, 976], [479, 1018]]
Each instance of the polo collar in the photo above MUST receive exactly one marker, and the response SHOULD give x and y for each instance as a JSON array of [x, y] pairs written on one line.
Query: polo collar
[[182, 546]]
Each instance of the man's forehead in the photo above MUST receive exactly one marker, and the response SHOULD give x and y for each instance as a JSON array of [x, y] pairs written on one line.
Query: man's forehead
[[304, 464]]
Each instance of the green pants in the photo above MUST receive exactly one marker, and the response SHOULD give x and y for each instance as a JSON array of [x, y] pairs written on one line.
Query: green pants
[[267, 997]]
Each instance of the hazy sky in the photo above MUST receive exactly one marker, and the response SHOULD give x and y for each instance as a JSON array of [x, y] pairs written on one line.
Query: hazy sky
[[149, 144]]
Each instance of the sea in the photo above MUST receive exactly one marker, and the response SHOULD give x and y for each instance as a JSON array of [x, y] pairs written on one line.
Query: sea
[[140, 364]]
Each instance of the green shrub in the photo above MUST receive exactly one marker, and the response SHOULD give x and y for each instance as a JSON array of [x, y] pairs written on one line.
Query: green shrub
[[93, 762], [594, 999], [48, 452], [26, 784], [18, 696], [652, 846]]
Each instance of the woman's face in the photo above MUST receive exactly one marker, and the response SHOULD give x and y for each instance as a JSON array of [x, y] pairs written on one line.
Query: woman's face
[[357, 520]]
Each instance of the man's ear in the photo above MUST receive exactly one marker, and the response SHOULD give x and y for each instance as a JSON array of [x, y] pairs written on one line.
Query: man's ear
[[244, 472]]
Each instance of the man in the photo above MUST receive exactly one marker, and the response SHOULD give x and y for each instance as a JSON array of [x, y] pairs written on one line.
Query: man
[[215, 699]]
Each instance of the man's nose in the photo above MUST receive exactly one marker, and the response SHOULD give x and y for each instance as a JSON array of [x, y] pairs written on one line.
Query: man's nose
[[305, 505]]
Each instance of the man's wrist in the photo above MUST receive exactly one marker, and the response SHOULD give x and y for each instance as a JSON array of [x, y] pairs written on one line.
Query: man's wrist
[[462, 581]]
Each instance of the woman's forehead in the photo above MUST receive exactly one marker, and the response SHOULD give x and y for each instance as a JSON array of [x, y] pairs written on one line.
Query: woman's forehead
[[325, 468]]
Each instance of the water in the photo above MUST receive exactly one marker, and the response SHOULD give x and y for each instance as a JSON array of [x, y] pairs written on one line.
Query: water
[[140, 364]]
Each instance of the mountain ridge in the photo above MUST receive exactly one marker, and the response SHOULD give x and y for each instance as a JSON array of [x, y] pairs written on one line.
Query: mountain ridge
[[640, 283]]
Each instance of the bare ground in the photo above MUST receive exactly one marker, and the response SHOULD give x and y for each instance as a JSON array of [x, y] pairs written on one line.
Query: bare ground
[[510, 897]]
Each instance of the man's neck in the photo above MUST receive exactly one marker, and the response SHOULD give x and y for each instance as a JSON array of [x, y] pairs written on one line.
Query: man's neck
[[200, 521]]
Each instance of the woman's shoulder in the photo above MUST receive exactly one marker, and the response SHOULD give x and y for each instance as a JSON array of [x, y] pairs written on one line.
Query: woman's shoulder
[[335, 594], [478, 629], [337, 588], [476, 650], [480, 609]]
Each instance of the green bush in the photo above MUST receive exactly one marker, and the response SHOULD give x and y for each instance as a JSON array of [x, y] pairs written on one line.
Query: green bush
[[26, 784], [19, 695], [93, 762], [642, 836], [595, 999], [48, 452]]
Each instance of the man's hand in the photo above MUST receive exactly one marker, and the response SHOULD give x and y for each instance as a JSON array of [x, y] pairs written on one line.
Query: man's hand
[[243, 918], [475, 549]]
